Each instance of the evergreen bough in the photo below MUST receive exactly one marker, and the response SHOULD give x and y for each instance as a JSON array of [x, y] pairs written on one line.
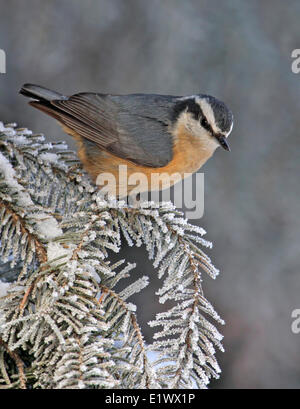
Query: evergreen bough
[[63, 324]]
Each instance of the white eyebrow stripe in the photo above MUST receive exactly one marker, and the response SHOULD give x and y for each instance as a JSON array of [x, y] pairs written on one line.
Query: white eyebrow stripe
[[229, 132], [209, 114], [187, 97]]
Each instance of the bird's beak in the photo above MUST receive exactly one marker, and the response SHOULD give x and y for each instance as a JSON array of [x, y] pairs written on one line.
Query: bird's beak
[[222, 141]]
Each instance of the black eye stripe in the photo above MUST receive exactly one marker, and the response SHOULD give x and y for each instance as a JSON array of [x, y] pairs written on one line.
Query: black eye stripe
[[223, 117], [198, 114], [187, 104], [204, 122], [194, 109], [190, 105]]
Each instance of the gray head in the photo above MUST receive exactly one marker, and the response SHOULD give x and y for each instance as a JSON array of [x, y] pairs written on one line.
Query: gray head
[[205, 117]]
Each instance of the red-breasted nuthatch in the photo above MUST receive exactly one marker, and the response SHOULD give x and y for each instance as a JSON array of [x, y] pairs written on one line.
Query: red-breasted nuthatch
[[150, 134]]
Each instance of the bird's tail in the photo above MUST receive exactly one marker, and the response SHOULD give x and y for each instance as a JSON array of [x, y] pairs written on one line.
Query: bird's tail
[[40, 93], [42, 98]]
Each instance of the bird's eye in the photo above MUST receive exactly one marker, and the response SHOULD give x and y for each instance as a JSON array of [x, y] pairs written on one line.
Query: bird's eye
[[204, 122]]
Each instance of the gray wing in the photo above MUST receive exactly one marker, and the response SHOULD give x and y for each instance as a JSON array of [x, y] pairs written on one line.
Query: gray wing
[[133, 127]]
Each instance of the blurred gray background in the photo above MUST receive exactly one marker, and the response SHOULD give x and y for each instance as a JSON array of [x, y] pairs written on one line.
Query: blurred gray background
[[238, 51]]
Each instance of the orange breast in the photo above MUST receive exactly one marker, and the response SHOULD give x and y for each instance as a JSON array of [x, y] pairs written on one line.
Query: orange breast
[[189, 155]]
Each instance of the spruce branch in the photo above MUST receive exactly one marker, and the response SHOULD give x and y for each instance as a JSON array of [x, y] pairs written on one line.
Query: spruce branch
[[63, 324], [19, 365]]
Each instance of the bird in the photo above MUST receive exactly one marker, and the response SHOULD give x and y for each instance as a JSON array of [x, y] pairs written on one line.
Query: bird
[[145, 136]]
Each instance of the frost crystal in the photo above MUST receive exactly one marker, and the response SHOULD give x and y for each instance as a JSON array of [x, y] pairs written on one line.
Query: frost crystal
[[63, 324]]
